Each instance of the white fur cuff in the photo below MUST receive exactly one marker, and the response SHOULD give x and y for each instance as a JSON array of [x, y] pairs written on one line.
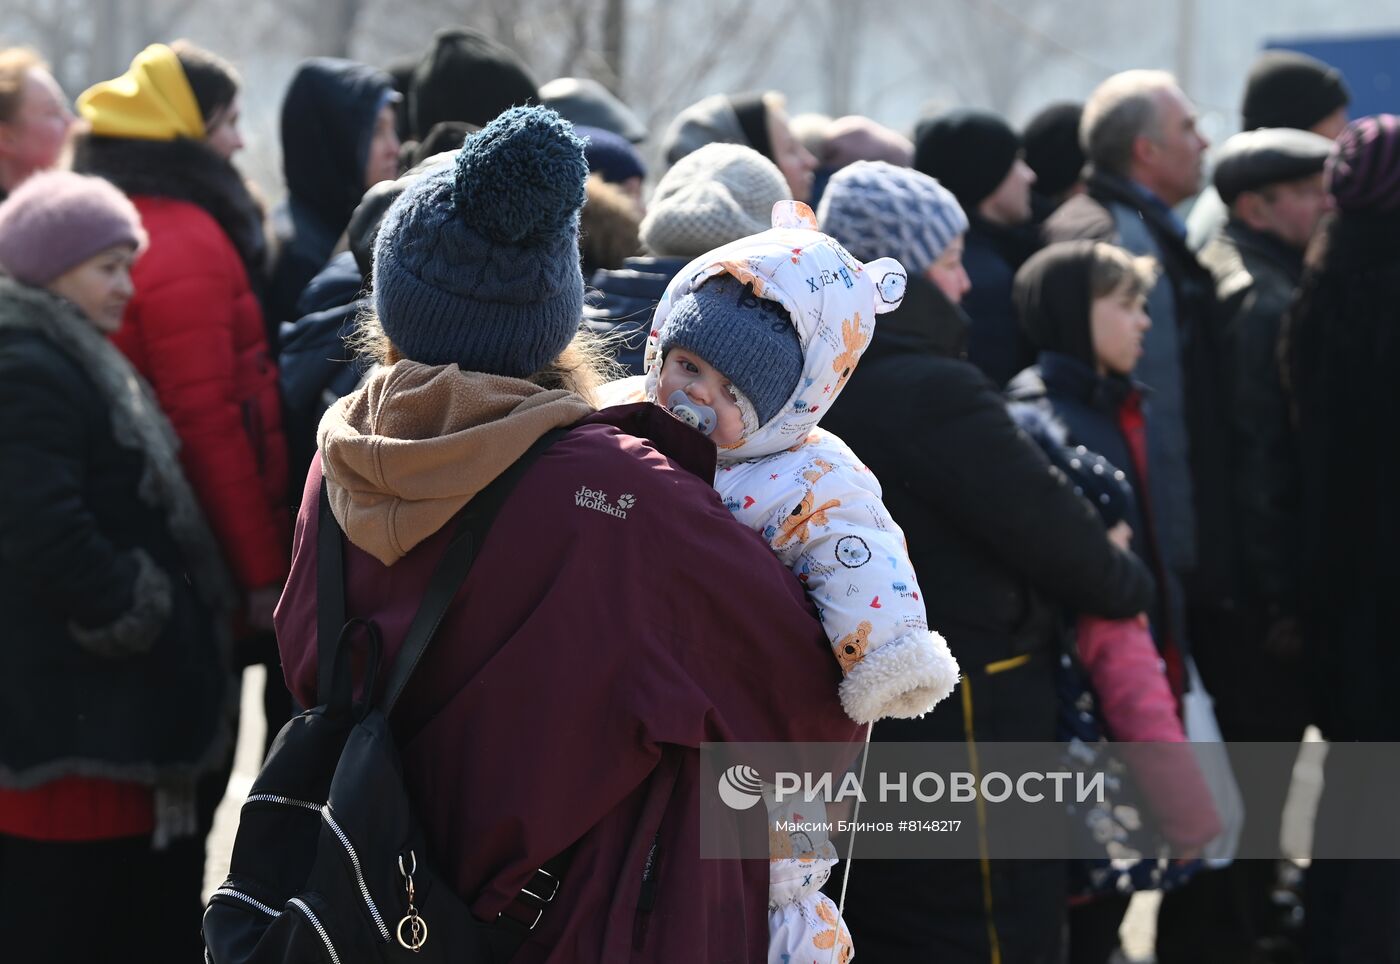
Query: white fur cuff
[[905, 677]]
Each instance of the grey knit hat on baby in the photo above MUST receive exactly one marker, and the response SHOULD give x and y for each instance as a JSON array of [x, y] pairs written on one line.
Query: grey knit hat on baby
[[749, 340]]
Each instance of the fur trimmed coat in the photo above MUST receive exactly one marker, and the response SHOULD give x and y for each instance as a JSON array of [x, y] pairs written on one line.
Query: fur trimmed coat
[[116, 646], [195, 331]]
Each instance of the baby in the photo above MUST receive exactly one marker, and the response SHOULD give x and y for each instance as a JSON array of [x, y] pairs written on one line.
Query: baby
[[750, 345]]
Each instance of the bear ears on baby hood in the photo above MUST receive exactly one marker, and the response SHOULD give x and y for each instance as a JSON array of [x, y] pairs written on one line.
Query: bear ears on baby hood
[[886, 274], [890, 281]]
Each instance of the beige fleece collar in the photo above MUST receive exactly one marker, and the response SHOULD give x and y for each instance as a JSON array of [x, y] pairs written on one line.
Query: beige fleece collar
[[407, 450]]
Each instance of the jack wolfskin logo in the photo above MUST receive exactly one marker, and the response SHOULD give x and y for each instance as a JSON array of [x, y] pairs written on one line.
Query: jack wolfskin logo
[[597, 500]]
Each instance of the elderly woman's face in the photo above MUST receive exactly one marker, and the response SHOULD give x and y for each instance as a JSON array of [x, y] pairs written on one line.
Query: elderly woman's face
[[99, 287]]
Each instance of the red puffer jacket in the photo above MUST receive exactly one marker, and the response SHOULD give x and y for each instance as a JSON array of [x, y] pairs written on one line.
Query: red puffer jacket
[[195, 331]]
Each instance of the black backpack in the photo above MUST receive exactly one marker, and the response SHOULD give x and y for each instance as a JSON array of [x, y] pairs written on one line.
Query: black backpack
[[329, 863]]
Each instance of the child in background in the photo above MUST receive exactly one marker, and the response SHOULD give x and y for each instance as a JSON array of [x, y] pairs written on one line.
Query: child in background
[[1081, 304], [751, 344]]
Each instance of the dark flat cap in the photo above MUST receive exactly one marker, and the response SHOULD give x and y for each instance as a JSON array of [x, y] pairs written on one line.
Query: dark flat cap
[[1255, 159]]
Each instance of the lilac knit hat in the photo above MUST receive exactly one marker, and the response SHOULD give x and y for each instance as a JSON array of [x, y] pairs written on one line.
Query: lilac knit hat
[[56, 220], [1363, 172]]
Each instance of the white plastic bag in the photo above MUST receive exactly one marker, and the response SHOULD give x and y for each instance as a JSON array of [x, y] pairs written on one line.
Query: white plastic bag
[[1198, 709]]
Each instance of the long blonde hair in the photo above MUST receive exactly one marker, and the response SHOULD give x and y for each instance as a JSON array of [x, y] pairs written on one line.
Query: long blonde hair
[[586, 363]]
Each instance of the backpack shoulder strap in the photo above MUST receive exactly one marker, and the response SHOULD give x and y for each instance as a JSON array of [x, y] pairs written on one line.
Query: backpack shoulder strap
[[447, 578], [330, 595]]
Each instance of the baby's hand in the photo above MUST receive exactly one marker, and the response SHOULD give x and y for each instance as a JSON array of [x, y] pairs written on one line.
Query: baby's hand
[[1121, 535]]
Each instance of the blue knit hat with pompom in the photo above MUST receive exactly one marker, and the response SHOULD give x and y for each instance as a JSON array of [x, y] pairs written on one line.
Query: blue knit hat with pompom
[[478, 262]]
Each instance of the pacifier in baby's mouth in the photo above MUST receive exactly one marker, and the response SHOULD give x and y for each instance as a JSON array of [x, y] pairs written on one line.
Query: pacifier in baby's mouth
[[702, 418]]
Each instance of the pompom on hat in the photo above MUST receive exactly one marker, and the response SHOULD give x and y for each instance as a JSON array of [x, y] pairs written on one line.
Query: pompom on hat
[[477, 263]]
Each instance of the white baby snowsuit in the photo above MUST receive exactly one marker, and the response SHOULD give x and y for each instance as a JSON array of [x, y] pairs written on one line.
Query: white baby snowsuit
[[820, 510]]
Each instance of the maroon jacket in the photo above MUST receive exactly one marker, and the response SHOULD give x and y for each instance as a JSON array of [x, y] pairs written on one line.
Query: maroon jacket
[[586, 658]]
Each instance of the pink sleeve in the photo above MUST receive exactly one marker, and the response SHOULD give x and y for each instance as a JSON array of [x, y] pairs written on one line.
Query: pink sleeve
[[1138, 707], [1133, 694]]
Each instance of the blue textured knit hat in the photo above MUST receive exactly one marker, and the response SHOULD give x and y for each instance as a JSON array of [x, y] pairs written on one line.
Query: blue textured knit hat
[[878, 210], [610, 155], [477, 263], [750, 340]]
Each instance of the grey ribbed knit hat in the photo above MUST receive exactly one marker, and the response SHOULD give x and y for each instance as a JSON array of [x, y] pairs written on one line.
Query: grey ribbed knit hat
[[718, 194], [878, 210]]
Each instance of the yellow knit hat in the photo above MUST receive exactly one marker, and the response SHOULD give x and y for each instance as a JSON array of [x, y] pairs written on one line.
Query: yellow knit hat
[[152, 101]]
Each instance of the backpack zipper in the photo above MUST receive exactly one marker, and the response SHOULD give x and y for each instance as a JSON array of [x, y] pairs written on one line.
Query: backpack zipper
[[239, 895], [646, 898], [359, 875], [284, 801], [316, 923]]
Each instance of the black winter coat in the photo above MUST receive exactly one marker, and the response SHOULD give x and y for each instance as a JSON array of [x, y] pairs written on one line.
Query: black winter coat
[[992, 254], [1088, 405], [624, 301], [998, 539], [116, 643], [1342, 339], [1256, 276], [1001, 545]]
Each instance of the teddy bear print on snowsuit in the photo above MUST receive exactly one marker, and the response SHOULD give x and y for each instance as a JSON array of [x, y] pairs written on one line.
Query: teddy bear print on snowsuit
[[854, 340], [745, 275], [820, 468], [835, 937], [798, 524], [851, 648]]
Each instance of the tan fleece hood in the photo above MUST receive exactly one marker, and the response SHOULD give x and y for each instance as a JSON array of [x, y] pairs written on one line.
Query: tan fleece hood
[[404, 453]]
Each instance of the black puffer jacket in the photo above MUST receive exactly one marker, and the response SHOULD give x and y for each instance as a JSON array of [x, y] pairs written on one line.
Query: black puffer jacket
[[115, 592], [623, 301], [992, 255], [997, 537]]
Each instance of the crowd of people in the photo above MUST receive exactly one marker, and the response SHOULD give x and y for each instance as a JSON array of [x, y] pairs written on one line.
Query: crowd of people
[[1083, 430]]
